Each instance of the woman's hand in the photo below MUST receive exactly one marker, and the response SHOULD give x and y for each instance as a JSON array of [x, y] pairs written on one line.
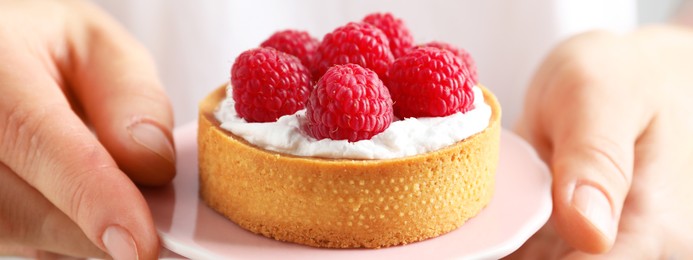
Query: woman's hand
[[82, 113], [612, 115]]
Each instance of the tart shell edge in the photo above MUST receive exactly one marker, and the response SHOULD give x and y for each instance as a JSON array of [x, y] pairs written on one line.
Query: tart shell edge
[[342, 203]]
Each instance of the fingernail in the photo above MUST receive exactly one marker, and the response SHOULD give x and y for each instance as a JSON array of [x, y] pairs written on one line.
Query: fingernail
[[119, 243], [153, 138], [595, 207]]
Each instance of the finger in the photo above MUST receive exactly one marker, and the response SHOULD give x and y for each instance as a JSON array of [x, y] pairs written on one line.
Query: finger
[[590, 121], [31, 221], [592, 163], [49, 147], [116, 82], [653, 196]]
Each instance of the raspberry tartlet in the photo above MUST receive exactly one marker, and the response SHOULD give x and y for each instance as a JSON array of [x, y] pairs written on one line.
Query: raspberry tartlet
[[328, 164]]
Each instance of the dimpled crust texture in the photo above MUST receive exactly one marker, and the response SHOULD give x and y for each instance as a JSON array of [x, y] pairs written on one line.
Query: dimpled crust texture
[[338, 203]]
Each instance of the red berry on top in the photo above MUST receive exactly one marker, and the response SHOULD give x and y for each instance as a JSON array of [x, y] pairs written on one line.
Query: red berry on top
[[358, 43], [349, 103], [462, 54], [297, 43], [397, 33], [429, 82], [268, 84]]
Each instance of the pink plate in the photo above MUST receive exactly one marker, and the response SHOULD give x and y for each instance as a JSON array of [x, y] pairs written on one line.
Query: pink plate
[[521, 205]]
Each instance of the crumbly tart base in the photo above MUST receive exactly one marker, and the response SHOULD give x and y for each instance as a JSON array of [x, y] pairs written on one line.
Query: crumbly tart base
[[338, 203]]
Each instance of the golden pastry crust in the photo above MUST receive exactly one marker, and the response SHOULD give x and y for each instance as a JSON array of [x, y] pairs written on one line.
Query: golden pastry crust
[[340, 203]]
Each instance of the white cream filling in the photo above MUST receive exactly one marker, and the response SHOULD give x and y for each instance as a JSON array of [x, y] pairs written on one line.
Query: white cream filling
[[407, 137]]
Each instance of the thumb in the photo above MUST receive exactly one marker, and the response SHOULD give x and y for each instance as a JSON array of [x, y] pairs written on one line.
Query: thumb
[[592, 165], [117, 84], [592, 176], [584, 116]]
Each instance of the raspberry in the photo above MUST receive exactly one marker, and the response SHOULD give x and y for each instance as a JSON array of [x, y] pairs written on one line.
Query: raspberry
[[459, 52], [397, 33], [429, 82], [349, 102], [358, 43], [297, 43], [268, 84]]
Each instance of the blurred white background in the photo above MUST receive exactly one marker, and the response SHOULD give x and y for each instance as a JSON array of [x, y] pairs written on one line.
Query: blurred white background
[[653, 11]]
